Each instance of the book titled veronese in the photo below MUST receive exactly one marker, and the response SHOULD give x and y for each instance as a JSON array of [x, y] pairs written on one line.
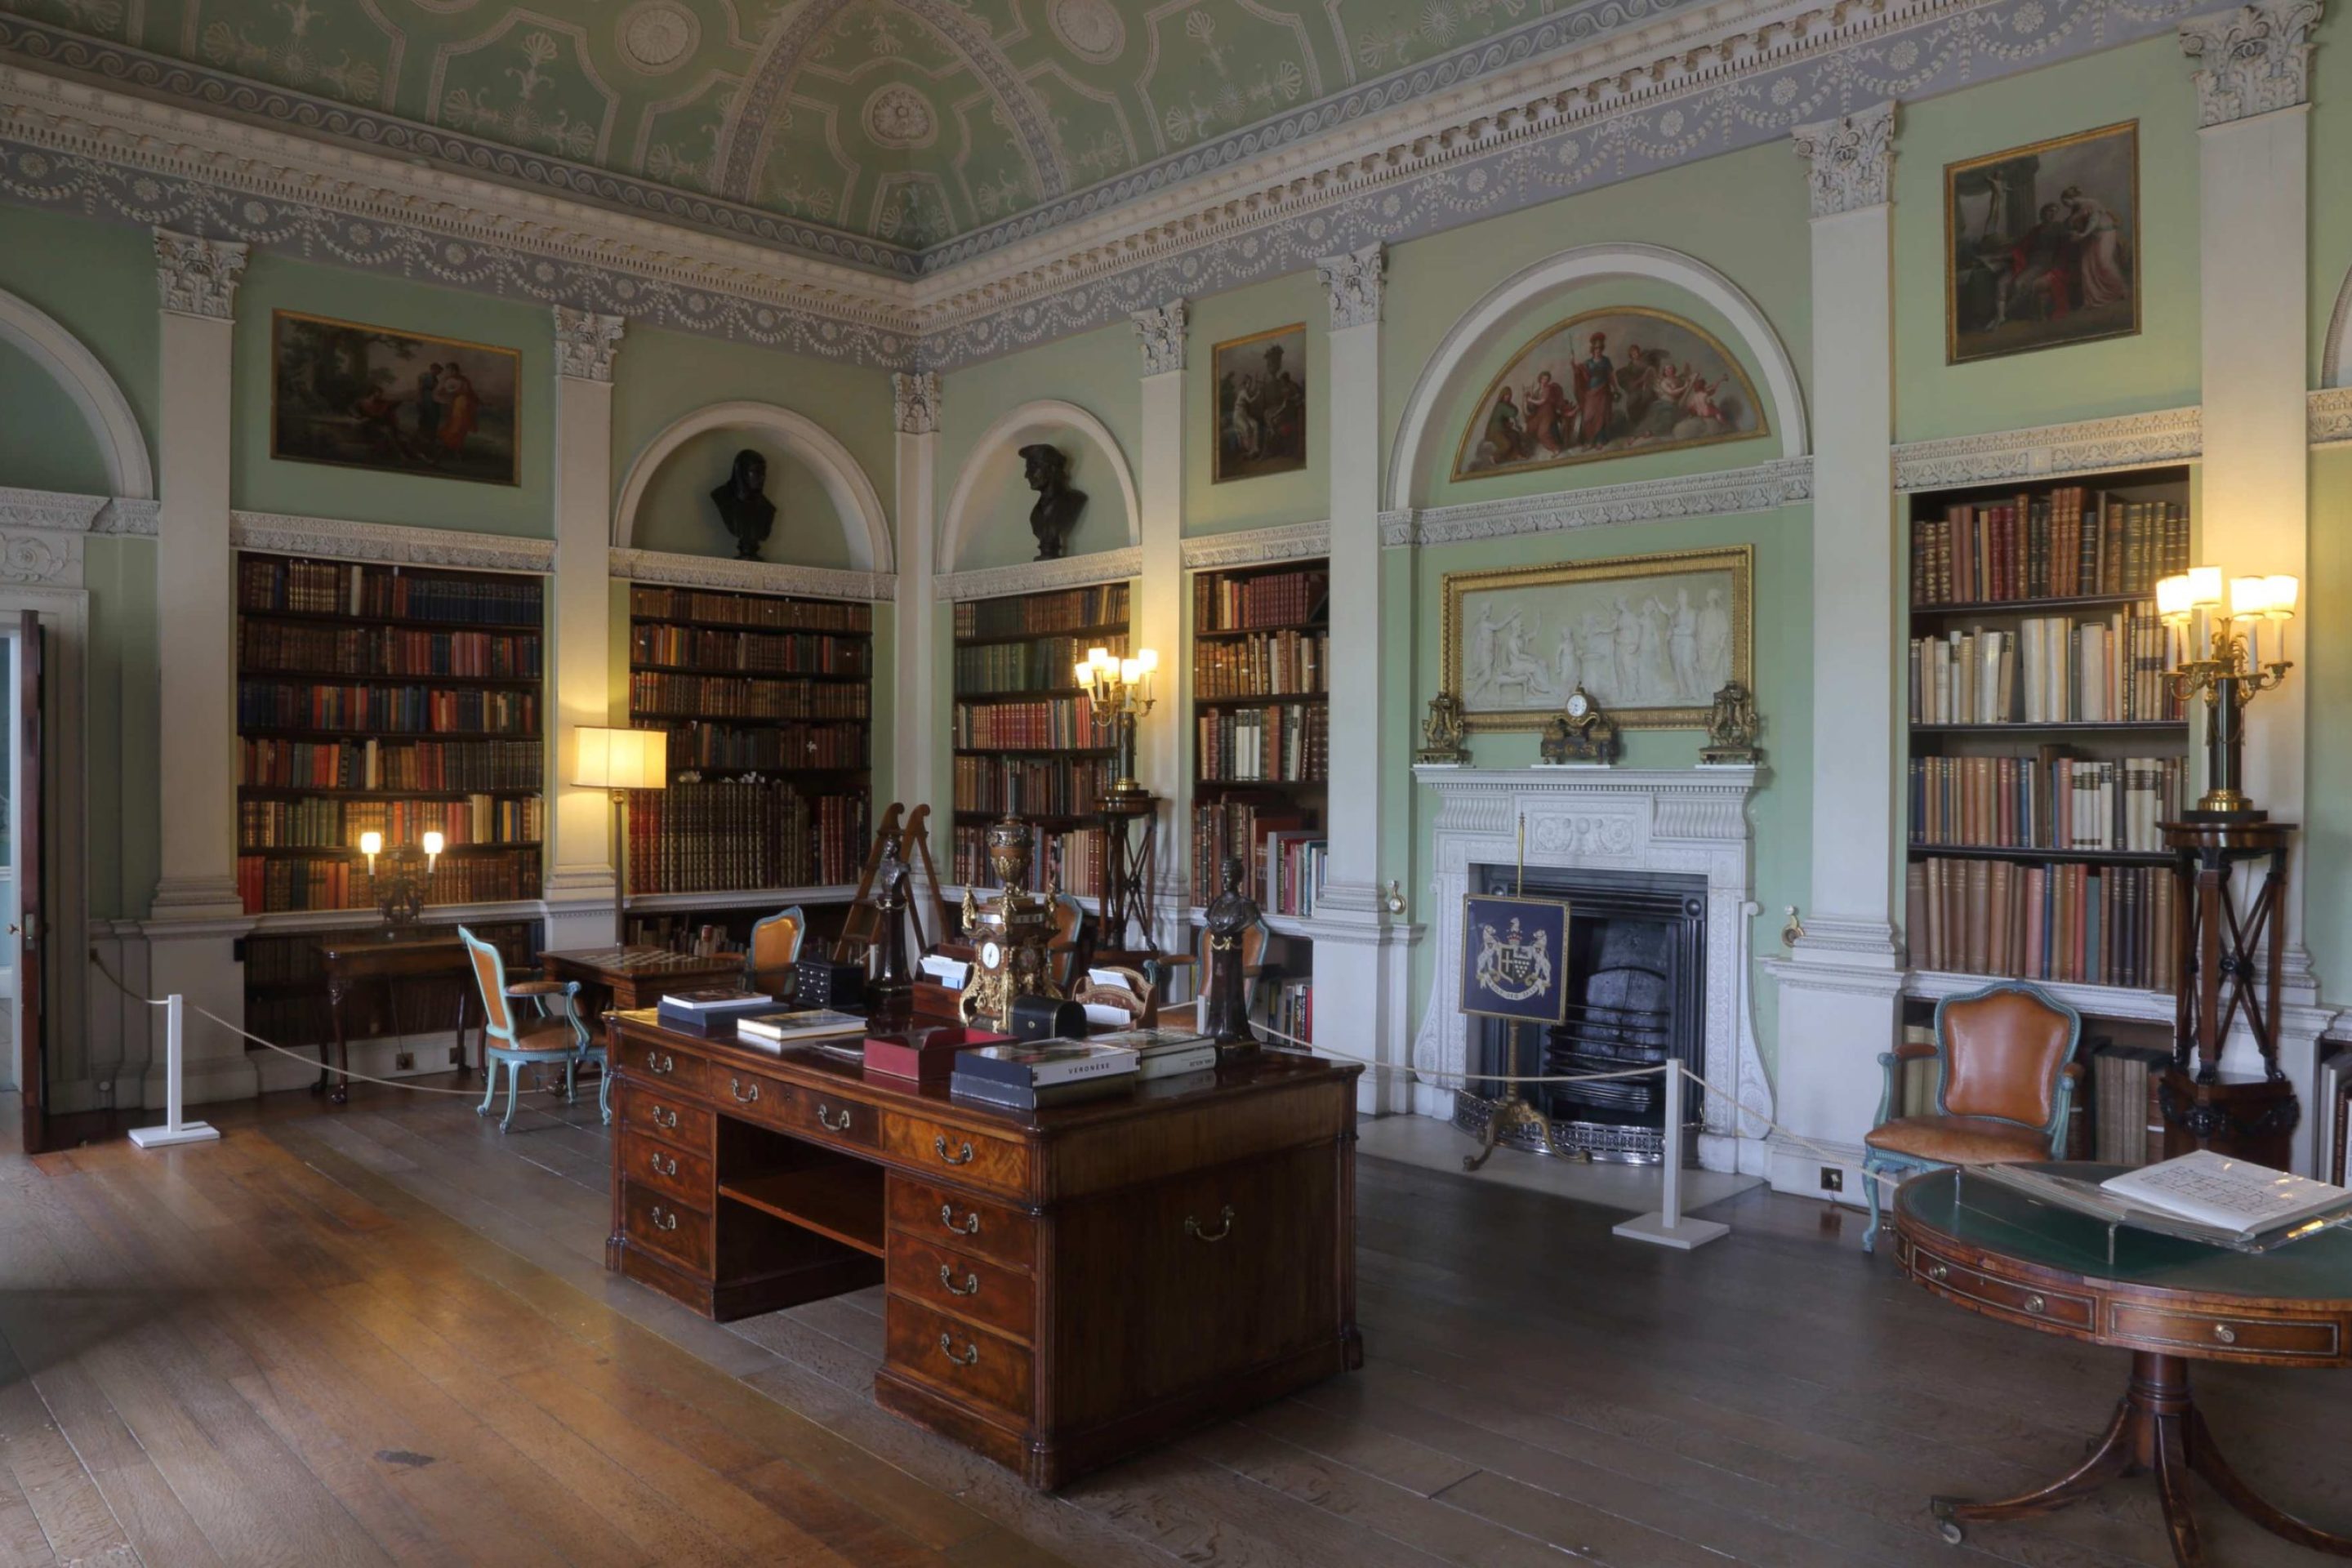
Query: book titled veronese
[[1042, 1064], [2201, 1196], [780, 1028], [1162, 1053]]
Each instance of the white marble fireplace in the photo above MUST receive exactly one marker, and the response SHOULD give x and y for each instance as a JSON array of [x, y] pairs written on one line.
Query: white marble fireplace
[[1687, 821]]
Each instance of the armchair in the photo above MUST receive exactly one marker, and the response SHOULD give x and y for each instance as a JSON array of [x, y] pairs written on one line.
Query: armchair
[[775, 947], [547, 1037], [2005, 1077]]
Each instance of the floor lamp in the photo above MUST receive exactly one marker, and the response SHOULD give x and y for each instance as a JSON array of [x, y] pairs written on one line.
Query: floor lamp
[[620, 761]]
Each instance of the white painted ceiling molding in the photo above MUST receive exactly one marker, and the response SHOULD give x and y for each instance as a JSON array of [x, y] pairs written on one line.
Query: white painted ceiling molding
[[1017, 427], [856, 502], [391, 543], [1041, 576], [80, 377], [1764, 487], [726, 572], [2047, 451], [128, 518], [1508, 315], [2331, 416], [1257, 546], [49, 511]]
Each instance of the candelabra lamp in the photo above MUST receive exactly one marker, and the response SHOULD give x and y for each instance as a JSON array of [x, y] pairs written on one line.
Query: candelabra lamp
[[620, 761], [2228, 673], [1121, 690], [401, 877]]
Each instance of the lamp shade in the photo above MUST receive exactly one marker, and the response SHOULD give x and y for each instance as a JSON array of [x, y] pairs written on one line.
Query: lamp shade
[[2174, 599], [620, 759], [2284, 591]]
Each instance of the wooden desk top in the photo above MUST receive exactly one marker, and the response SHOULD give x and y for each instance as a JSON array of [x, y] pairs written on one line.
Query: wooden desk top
[[375, 946], [633, 964]]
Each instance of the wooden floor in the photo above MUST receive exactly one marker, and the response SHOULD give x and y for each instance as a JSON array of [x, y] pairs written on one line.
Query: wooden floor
[[385, 1333]]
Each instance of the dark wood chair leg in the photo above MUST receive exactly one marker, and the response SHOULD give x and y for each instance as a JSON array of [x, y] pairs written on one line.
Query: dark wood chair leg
[[2205, 1457]]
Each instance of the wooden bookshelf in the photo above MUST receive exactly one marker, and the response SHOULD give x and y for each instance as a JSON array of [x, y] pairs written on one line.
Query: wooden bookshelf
[[1024, 739]]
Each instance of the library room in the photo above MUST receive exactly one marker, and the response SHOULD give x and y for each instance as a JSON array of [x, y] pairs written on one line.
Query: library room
[[1419, 783]]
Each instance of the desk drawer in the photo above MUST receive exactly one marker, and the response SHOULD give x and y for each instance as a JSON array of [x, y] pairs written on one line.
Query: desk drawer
[[655, 1219], [664, 1066], [967, 1158], [970, 1363], [661, 1114], [834, 1118], [965, 1223], [2062, 1307], [678, 1172], [753, 1097], [974, 1289], [2218, 1333]]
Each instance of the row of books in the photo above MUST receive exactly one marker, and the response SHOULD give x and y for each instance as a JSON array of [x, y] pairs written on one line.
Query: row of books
[[771, 748], [1241, 745], [1026, 666], [1276, 664], [1071, 860], [721, 836], [433, 765], [1240, 828], [2111, 925], [2048, 669], [275, 884], [1294, 871], [653, 695], [762, 610], [293, 959], [293, 648], [1052, 721], [1289, 1012], [2126, 1115], [1277, 598], [2045, 802], [1072, 609], [785, 653], [266, 583], [285, 705], [326, 823], [1032, 785], [2066, 543]]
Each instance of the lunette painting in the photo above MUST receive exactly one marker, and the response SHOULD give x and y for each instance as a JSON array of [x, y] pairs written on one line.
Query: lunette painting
[[2043, 245], [1260, 386], [405, 402]]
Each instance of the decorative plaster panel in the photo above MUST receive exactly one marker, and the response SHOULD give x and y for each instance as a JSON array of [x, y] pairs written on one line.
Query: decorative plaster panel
[[1041, 576], [198, 277], [2253, 59], [389, 542], [1257, 546], [1160, 329], [2331, 416], [1763, 488], [752, 576], [585, 341], [47, 558], [1849, 161], [2131, 440], [914, 402], [1354, 282]]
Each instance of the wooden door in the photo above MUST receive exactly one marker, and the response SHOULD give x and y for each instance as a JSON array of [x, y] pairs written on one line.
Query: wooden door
[[31, 872]]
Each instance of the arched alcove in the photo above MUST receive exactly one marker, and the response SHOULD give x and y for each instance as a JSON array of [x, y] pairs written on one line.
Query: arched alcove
[[2336, 358], [103, 408], [811, 449], [990, 478]]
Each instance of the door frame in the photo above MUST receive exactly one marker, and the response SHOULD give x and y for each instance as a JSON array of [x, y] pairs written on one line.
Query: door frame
[[68, 1084]]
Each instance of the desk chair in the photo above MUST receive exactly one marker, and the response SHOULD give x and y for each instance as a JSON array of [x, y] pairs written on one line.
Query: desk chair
[[775, 947], [2005, 1077], [1070, 941], [546, 1037]]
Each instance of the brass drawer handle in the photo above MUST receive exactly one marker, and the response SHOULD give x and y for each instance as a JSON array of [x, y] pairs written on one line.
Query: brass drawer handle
[[663, 1221], [2036, 1305], [939, 1147], [946, 1218], [735, 1087], [1193, 1225], [971, 1286], [660, 1063], [660, 1169], [970, 1356], [2225, 1333], [1937, 1271], [825, 1118], [665, 1116]]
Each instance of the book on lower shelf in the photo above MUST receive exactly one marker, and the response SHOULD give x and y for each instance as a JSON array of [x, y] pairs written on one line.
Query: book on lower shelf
[[2126, 1120], [2049, 670], [2047, 800], [2059, 921]]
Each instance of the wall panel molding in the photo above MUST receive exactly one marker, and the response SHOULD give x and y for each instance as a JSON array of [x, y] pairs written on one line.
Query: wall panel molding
[[731, 575], [1040, 576], [391, 543], [2052, 451], [1766, 487]]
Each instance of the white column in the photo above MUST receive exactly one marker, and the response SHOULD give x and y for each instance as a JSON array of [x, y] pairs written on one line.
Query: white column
[[582, 881], [197, 915], [1163, 747], [1359, 957], [1841, 986], [915, 400]]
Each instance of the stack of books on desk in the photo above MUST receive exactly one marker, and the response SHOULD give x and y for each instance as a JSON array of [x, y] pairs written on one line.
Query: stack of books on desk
[[711, 1011], [1044, 1073], [1162, 1053], [774, 1030]]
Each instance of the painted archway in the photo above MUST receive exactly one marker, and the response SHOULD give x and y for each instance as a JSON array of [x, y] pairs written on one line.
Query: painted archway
[[2336, 358], [1017, 428], [131, 475], [854, 500]]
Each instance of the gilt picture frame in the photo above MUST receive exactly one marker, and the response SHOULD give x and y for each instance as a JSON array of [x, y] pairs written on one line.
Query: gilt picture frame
[[1260, 404], [354, 395], [2042, 246]]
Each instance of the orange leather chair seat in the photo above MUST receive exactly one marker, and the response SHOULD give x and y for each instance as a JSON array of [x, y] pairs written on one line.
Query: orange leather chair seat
[[1960, 1140]]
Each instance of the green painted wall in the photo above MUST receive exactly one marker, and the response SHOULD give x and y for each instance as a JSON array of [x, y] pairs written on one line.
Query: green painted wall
[[45, 443], [2331, 213], [1097, 371], [677, 515], [99, 280], [1271, 499], [2325, 652], [123, 685]]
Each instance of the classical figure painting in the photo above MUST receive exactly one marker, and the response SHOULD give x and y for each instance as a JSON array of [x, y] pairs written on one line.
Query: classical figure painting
[[2043, 245], [1651, 638], [1608, 384], [370, 397], [1260, 385]]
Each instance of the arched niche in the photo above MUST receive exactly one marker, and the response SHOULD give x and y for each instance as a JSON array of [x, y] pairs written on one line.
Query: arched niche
[[93, 393], [2336, 358], [799, 452], [990, 497], [1515, 309]]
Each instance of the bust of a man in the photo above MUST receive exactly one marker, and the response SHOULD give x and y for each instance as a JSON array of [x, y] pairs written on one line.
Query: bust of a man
[[1056, 511], [743, 504]]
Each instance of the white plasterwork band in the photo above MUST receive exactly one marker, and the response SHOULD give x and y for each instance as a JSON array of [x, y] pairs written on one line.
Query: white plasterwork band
[[131, 519], [1763, 488], [751, 576], [2331, 416], [1849, 161], [344, 540], [1040, 576], [1257, 546], [2251, 60], [2085, 447], [56, 511]]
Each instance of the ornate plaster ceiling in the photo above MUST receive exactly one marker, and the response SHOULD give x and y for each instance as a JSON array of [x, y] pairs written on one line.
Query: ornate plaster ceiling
[[905, 123]]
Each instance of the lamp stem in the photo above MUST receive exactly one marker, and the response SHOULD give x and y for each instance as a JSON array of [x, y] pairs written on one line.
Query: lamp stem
[[2225, 752], [620, 869]]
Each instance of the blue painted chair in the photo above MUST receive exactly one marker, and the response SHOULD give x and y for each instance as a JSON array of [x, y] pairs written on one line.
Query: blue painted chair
[[775, 947], [2005, 1077], [553, 1033]]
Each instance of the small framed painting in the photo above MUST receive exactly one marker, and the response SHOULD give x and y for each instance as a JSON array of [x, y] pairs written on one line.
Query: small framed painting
[[405, 402], [1515, 958], [1259, 384], [2042, 246]]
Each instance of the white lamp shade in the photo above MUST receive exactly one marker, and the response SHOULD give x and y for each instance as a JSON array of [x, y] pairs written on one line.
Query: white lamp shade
[[2173, 598], [1147, 660], [621, 759], [2284, 590], [2249, 596], [2205, 587], [432, 843], [371, 844]]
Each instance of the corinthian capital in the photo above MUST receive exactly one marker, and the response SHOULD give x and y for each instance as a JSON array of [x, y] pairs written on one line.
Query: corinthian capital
[[1354, 282], [584, 343], [1851, 159], [198, 277], [2251, 59], [914, 402], [1160, 330]]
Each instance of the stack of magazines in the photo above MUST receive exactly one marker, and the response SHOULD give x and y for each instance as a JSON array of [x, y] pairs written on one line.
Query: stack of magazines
[[2202, 1197]]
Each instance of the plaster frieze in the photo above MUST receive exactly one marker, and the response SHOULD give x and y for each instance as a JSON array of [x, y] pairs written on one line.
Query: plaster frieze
[[48, 512], [751, 576], [1159, 332], [2251, 60], [2085, 447], [1041, 576], [2331, 416], [198, 277], [914, 402], [1728, 492], [131, 519], [585, 341], [1849, 161], [391, 542], [1257, 546]]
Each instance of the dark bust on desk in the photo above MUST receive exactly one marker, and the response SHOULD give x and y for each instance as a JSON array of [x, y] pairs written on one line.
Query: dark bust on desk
[[743, 504], [1056, 511]]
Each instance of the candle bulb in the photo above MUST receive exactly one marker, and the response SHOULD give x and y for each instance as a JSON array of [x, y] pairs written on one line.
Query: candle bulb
[[371, 846], [432, 843]]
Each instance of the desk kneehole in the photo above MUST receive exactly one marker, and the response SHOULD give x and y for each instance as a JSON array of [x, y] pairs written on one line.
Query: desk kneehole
[[2224, 1336]]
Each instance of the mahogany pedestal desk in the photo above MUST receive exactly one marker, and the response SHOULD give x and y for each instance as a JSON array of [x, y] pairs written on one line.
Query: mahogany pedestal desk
[[1064, 1287]]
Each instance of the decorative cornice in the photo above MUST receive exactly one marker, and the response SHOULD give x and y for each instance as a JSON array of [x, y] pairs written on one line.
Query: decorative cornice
[[387, 542], [2252, 60], [1849, 161], [1354, 282], [1041, 576], [2331, 416], [1257, 546], [585, 341], [914, 402], [49, 511], [198, 277], [1160, 329], [2086, 447], [751, 576], [1728, 492], [129, 519]]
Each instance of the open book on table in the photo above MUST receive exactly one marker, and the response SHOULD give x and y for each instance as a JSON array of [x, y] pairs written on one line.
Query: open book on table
[[2202, 1197]]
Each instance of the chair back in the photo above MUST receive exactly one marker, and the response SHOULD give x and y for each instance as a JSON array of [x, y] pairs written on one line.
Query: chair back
[[2003, 1052], [1069, 927], [775, 947], [491, 975]]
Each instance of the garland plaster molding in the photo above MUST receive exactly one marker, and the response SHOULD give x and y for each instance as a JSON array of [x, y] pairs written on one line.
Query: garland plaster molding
[[2253, 59], [751, 576], [49, 511], [585, 341], [2331, 416], [389, 542], [2086, 447], [1766, 487], [1041, 576], [1258, 547], [1159, 332]]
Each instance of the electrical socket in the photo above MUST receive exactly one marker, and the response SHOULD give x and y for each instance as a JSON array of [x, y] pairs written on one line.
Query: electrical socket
[[1832, 1179], [405, 1061]]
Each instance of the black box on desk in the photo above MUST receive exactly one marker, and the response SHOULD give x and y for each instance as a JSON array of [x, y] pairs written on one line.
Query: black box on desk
[[825, 983]]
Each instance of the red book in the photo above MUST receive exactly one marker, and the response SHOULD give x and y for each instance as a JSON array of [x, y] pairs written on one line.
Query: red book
[[924, 1055]]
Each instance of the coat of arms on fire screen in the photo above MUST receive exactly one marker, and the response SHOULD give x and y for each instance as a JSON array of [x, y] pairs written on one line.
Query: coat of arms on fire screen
[[1514, 960]]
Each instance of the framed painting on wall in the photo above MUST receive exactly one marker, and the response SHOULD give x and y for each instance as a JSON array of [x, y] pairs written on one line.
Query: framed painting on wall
[[1259, 384], [2042, 246], [1650, 637], [1608, 384], [405, 402]]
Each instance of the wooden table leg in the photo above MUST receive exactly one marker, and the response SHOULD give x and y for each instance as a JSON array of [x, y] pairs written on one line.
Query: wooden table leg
[[464, 1006], [338, 1091]]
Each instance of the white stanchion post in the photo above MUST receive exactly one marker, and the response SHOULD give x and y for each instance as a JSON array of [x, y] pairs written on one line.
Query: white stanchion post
[[1668, 1227], [174, 1130]]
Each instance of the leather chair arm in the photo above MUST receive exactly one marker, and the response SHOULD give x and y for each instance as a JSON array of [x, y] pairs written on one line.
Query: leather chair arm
[[1912, 1052]]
